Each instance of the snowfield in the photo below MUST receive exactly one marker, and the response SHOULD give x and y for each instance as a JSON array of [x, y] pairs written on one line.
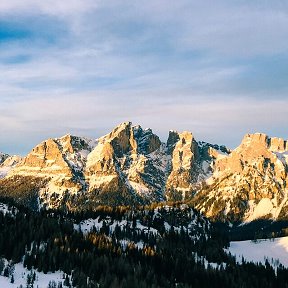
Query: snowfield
[[274, 250], [20, 278]]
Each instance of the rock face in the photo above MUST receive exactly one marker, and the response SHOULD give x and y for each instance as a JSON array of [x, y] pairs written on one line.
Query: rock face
[[191, 164], [131, 165], [184, 159], [8, 164], [128, 158], [250, 183], [64, 156], [60, 163], [3, 157]]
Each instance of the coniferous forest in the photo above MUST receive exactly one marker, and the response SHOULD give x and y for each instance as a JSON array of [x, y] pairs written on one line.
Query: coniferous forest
[[131, 248]]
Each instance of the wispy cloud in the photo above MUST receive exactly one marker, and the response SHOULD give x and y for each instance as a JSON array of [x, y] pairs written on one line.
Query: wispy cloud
[[217, 68], [213, 120], [51, 7]]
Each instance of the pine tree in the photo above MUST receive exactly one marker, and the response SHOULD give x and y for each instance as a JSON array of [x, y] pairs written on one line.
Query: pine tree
[[67, 281], [2, 265], [52, 284]]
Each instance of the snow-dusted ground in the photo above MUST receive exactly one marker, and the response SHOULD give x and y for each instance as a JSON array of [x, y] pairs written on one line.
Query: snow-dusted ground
[[20, 277], [87, 225], [6, 209], [276, 251], [4, 171]]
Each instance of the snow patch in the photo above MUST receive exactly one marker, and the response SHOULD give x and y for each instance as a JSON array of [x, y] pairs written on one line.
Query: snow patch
[[97, 181], [274, 250], [263, 208], [8, 210], [4, 171], [20, 278], [282, 156], [8, 165], [139, 188]]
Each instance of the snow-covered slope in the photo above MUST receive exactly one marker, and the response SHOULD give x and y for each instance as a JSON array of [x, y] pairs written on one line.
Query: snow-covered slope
[[20, 275], [274, 250], [157, 222]]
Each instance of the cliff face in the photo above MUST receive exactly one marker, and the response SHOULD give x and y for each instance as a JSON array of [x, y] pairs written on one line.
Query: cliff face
[[192, 163], [64, 156], [7, 163], [3, 157], [57, 163], [127, 158], [131, 165], [125, 166], [249, 183]]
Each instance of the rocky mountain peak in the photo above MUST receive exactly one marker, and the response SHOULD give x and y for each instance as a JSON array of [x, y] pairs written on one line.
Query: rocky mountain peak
[[3, 157], [12, 160], [254, 149], [122, 126], [146, 141], [184, 164], [126, 138], [173, 138], [59, 157], [185, 151], [278, 144], [254, 144], [131, 165], [256, 138], [73, 144], [122, 158], [121, 139], [250, 182], [274, 144], [7, 163], [45, 158]]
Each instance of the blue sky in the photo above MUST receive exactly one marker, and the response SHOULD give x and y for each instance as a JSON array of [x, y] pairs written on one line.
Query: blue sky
[[216, 68]]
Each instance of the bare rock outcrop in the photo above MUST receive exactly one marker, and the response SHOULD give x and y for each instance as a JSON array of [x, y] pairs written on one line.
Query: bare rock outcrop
[[3, 157], [124, 157], [250, 183]]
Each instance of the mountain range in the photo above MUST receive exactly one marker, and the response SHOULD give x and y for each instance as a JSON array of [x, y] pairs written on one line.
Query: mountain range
[[131, 166]]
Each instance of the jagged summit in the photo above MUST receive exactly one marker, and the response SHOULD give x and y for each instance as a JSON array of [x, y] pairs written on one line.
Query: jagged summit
[[249, 183], [271, 143], [7, 162], [56, 156], [122, 159], [3, 157], [128, 138], [131, 165]]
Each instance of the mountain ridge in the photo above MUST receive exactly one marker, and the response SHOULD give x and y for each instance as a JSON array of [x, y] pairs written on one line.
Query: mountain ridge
[[130, 165]]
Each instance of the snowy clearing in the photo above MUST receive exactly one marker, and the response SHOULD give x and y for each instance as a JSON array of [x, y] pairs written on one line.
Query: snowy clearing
[[274, 250], [20, 278]]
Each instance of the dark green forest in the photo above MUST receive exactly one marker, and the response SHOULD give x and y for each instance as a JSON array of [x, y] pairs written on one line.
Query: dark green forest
[[53, 240]]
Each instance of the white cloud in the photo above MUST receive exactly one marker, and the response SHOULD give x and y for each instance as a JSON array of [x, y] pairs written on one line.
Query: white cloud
[[224, 121], [52, 7], [162, 64]]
